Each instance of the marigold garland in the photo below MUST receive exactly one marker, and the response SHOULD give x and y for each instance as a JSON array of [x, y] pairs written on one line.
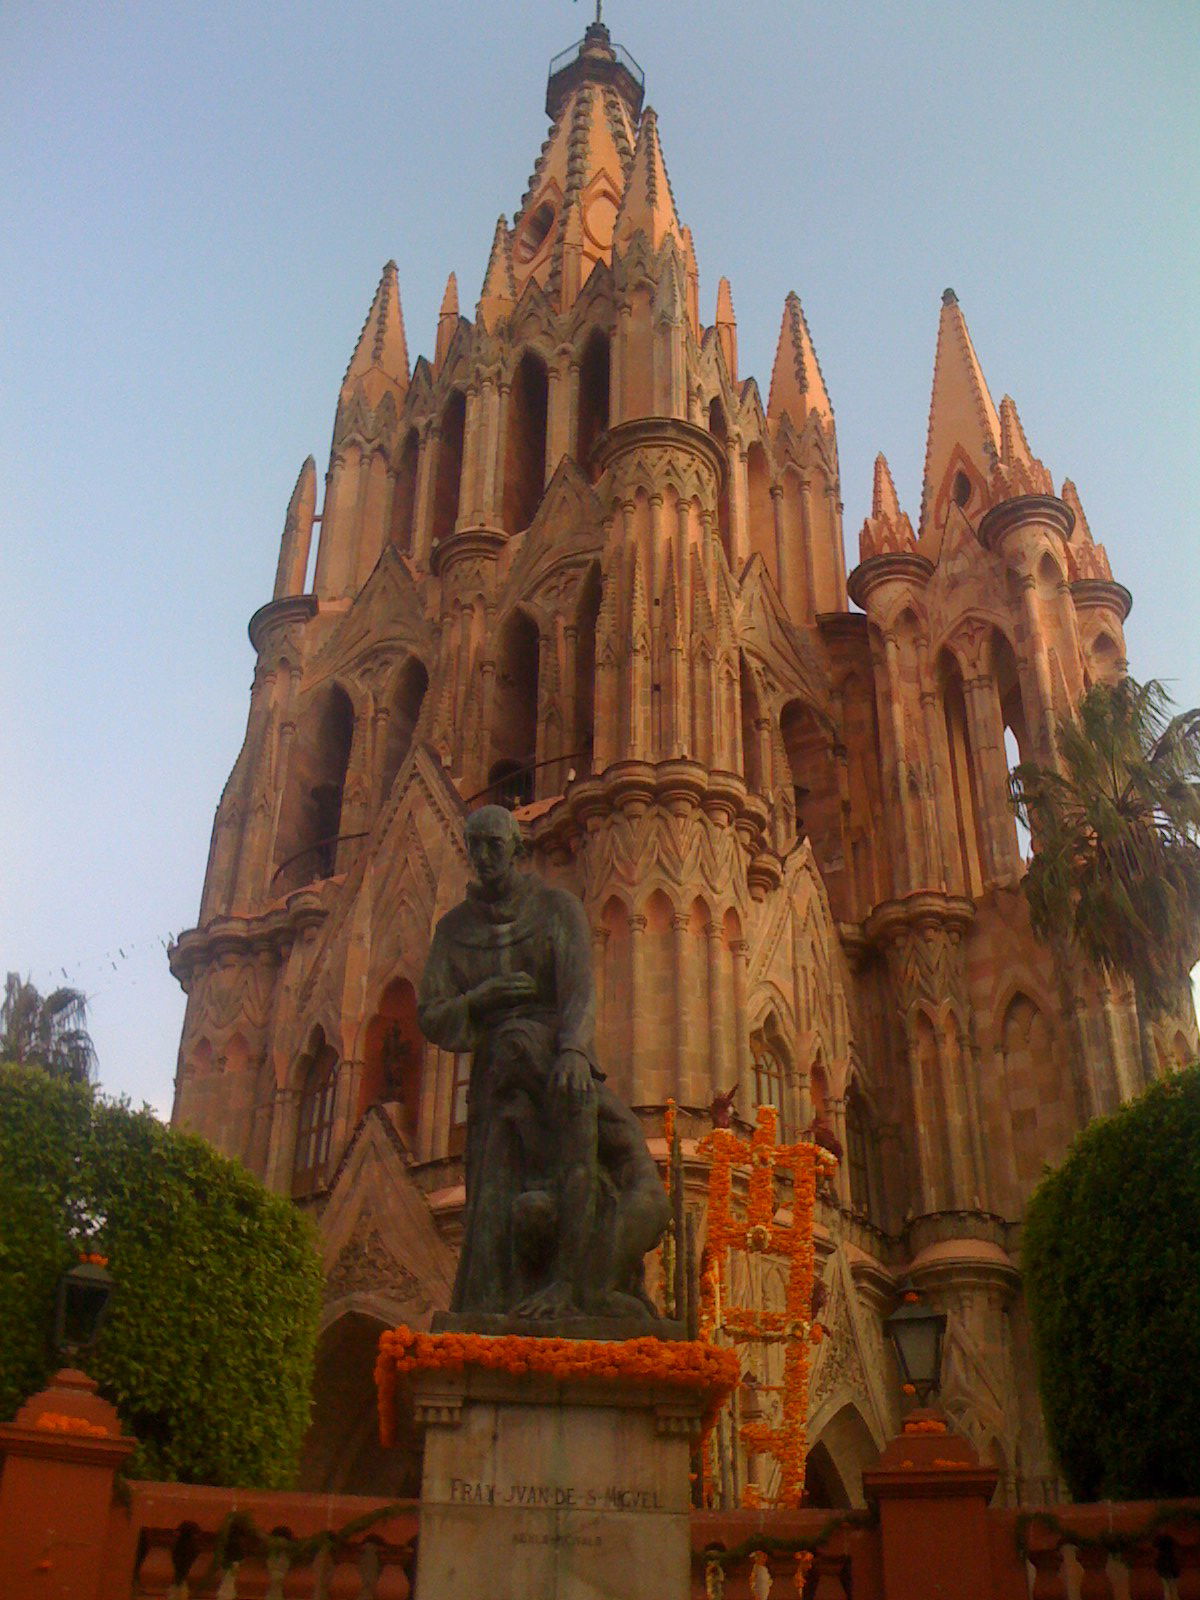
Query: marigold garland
[[759, 1231], [678, 1363], [60, 1422]]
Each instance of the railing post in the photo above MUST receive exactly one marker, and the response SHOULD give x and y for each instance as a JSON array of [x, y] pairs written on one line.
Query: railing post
[[61, 1455], [932, 1494]]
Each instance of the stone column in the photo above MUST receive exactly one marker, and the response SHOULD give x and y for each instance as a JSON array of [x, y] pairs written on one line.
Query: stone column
[[719, 1056], [282, 1149], [740, 950], [645, 1079], [685, 1022]]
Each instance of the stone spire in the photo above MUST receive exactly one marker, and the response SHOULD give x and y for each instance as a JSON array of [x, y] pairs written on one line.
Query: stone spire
[[380, 360], [963, 442], [726, 326], [648, 205], [447, 322], [499, 293], [887, 530], [797, 387], [297, 533], [565, 221]]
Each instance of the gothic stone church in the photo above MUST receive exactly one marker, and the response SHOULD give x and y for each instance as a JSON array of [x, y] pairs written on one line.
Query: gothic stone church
[[579, 563]]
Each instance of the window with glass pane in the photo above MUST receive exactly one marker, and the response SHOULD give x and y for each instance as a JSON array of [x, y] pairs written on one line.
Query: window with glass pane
[[770, 1087], [314, 1130], [458, 1105]]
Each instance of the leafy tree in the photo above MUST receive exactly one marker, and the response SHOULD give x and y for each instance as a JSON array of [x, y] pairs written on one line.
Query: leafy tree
[[208, 1347], [1111, 1262], [47, 1031], [1116, 834]]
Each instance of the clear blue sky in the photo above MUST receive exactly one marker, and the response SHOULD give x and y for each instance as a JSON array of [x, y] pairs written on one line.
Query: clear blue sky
[[201, 197]]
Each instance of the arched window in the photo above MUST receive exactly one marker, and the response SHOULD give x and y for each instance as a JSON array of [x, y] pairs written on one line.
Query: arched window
[[404, 499], [310, 819], [458, 1105], [751, 713], [525, 446], [514, 711], [407, 696], [809, 746], [448, 479], [1038, 1098], [861, 1156], [761, 508], [585, 671], [393, 1055], [719, 429], [593, 398], [771, 1078], [962, 774], [314, 1125]]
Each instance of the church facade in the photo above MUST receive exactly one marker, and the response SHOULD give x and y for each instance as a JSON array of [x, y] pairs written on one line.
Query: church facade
[[577, 563]]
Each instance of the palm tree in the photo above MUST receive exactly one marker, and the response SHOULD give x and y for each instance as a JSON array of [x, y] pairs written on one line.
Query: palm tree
[[49, 1031], [1116, 833]]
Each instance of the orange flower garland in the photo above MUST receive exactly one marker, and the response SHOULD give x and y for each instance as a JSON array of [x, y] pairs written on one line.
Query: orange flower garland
[[759, 1231], [60, 1422], [679, 1364]]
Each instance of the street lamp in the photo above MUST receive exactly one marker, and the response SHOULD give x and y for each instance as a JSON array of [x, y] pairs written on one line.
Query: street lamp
[[916, 1334], [84, 1291]]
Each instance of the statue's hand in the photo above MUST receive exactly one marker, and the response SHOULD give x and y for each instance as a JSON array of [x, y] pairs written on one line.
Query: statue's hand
[[507, 989], [572, 1076]]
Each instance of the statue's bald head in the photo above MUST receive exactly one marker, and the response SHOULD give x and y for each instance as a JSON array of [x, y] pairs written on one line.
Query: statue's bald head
[[497, 822], [493, 843]]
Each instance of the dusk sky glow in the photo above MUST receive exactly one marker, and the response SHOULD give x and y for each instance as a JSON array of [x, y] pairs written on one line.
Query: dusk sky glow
[[201, 199]]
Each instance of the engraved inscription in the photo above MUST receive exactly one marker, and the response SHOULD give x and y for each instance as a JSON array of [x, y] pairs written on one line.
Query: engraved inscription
[[554, 1496]]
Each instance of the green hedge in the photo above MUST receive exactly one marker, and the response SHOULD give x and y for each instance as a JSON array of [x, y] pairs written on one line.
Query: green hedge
[[208, 1348], [1112, 1274]]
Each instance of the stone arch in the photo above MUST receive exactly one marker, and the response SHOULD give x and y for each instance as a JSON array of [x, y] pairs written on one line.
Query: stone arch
[[1038, 1093], [840, 1451], [593, 409], [306, 844], [718, 426], [774, 1074], [761, 509], [615, 1012], [753, 765], [408, 694], [317, 1081], [404, 496], [513, 732], [1104, 660], [587, 614], [864, 1172], [964, 775], [809, 746], [342, 1453], [393, 1058], [447, 483], [525, 442]]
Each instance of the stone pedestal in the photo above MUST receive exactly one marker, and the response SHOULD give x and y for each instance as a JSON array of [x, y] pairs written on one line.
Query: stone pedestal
[[541, 1489]]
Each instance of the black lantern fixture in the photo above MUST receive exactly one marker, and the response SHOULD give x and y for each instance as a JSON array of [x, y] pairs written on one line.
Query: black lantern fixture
[[916, 1333], [84, 1291]]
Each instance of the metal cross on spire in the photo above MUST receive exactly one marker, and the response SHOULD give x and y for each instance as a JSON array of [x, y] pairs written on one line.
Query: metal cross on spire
[[599, 9]]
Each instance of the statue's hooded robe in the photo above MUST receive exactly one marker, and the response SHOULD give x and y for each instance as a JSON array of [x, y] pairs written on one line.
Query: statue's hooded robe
[[542, 932]]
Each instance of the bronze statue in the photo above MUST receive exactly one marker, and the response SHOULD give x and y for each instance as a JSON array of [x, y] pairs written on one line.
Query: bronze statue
[[563, 1198]]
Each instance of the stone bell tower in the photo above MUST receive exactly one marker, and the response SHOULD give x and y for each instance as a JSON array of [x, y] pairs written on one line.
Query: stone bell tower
[[576, 563]]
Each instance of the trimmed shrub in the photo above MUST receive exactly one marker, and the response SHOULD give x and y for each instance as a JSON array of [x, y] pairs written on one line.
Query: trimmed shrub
[[208, 1347], [1111, 1258]]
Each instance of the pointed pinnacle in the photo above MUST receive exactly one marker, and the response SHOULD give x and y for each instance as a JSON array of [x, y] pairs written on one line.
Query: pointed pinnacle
[[647, 203], [962, 414], [884, 500], [382, 345], [797, 386], [447, 323], [726, 325], [499, 286]]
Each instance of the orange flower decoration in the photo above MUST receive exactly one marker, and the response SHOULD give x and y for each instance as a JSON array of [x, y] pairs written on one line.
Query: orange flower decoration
[[678, 1363]]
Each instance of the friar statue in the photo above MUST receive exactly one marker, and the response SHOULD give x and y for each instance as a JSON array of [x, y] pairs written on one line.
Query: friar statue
[[563, 1198]]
